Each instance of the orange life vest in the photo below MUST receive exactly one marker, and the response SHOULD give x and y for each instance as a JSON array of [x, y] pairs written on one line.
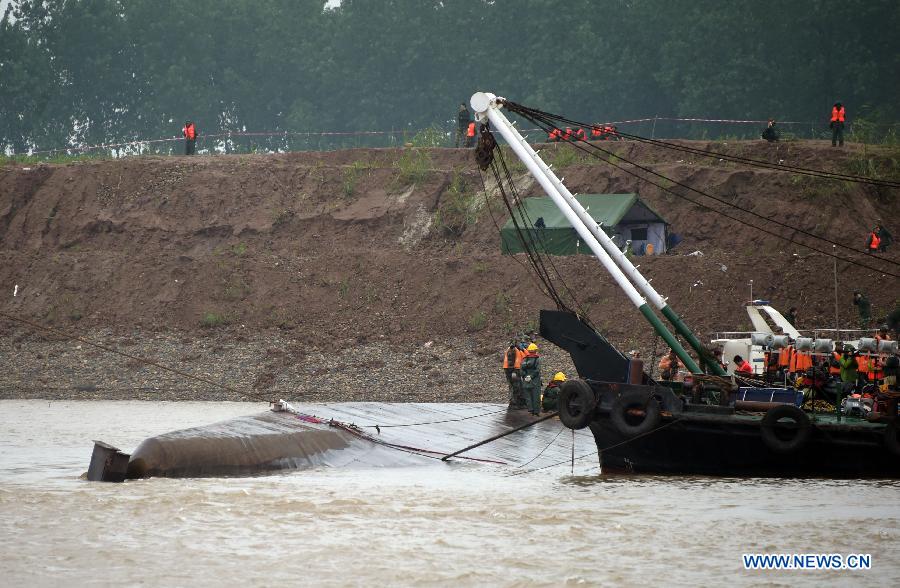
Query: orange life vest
[[837, 115], [875, 241], [833, 367], [744, 368], [596, 131], [862, 365], [189, 133], [800, 362], [515, 355], [471, 131], [554, 135], [579, 134], [784, 359]]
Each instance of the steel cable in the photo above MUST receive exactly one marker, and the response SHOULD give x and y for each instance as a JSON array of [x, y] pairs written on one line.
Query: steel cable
[[590, 146]]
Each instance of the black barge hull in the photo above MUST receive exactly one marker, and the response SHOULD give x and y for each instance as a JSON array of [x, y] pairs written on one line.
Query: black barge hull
[[733, 446]]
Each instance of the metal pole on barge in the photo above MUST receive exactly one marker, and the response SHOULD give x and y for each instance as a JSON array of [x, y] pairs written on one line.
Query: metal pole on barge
[[485, 106]]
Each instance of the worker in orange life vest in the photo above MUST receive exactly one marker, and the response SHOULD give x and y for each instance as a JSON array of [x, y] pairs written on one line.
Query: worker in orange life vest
[[580, 135], [554, 135], [190, 137], [770, 365], [838, 114], [669, 366], [834, 365], [470, 135], [512, 363], [874, 241], [742, 367]]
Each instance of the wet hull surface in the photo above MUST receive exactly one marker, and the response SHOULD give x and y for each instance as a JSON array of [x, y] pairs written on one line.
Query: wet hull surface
[[359, 434]]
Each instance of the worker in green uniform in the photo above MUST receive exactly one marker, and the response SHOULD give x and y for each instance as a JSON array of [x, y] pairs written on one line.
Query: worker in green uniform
[[849, 369], [530, 371], [550, 399]]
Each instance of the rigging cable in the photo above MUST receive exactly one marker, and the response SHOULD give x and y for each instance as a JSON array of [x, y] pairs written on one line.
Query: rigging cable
[[528, 222], [527, 112], [538, 283], [595, 452], [485, 157], [549, 121], [474, 416], [578, 145]]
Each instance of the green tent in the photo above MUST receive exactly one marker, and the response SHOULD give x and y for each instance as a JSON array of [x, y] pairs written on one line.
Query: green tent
[[623, 216]]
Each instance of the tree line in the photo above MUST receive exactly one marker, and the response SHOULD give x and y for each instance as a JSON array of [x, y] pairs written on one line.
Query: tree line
[[98, 71]]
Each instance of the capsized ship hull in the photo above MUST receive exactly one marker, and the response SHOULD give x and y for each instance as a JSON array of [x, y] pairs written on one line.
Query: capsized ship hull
[[345, 435]]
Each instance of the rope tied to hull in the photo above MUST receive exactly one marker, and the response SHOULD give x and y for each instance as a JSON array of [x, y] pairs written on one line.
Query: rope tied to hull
[[599, 450], [501, 435]]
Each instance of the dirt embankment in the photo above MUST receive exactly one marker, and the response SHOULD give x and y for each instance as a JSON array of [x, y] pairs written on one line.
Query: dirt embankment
[[333, 255]]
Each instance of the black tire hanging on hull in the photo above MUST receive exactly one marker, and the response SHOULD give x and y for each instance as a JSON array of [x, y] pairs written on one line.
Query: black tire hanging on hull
[[576, 404], [635, 412], [773, 432]]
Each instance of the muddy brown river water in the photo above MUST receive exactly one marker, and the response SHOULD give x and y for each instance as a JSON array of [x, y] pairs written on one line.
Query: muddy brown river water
[[434, 525]]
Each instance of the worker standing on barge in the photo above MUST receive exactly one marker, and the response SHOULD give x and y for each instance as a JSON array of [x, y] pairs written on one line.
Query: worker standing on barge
[[512, 362], [849, 370], [550, 397], [531, 379]]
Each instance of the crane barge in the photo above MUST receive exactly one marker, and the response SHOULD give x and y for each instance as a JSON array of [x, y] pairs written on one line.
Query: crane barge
[[703, 427]]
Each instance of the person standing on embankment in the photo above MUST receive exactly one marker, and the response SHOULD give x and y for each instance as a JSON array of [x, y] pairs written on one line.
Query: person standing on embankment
[[463, 118], [838, 115], [190, 137]]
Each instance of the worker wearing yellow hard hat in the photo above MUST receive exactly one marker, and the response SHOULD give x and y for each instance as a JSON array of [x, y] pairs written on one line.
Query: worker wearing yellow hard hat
[[530, 371], [550, 398]]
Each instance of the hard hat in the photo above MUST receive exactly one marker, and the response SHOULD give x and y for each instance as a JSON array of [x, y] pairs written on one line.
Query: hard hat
[[532, 347], [559, 377]]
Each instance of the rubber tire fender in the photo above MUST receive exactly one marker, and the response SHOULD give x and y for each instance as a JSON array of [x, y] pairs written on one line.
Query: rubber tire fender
[[770, 423], [629, 400], [892, 437], [577, 403]]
